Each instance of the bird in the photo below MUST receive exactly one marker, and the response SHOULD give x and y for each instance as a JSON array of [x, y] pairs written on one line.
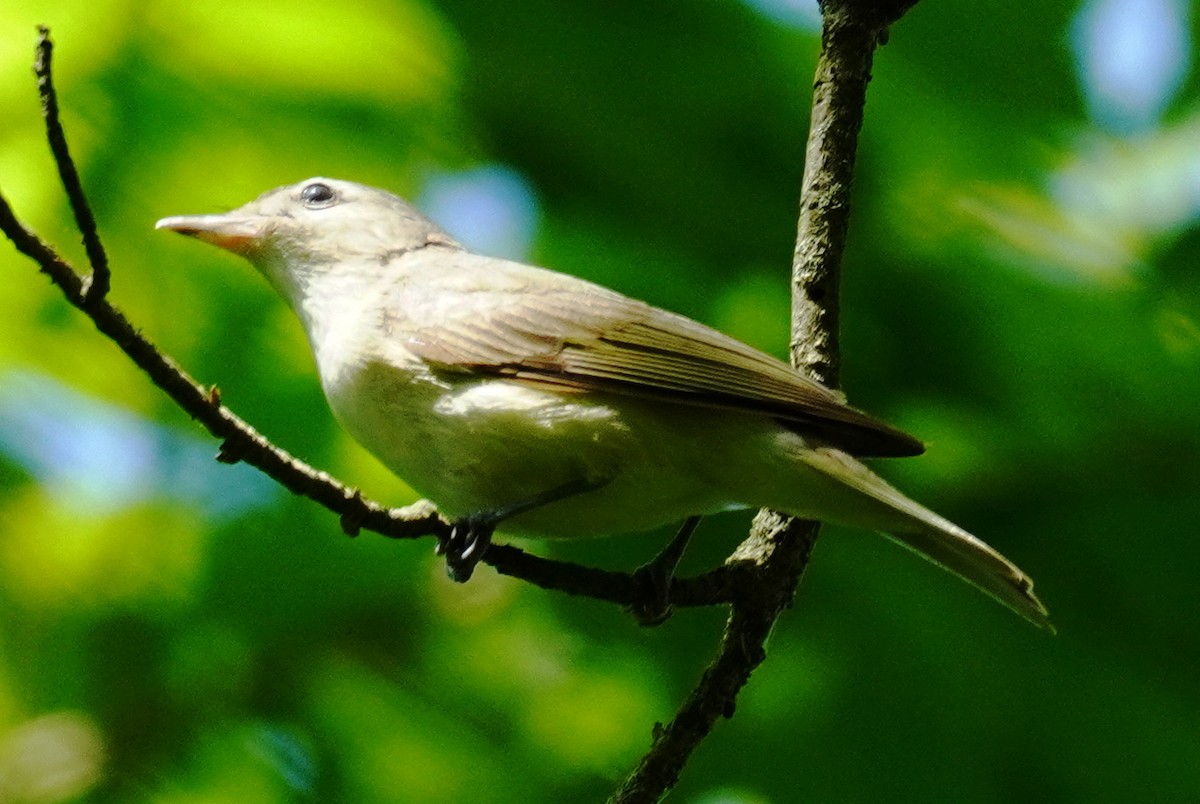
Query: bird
[[525, 399]]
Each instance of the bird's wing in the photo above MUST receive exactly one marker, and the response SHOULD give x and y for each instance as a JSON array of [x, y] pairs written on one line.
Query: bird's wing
[[550, 329]]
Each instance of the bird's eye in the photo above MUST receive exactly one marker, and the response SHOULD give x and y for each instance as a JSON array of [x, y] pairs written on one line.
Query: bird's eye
[[317, 195]]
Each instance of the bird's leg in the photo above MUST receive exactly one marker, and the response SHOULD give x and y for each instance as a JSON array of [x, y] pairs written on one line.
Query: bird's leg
[[470, 535], [657, 575]]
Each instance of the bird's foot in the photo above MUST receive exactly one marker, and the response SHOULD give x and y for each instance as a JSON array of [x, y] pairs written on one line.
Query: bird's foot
[[656, 576], [470, 535], [466, 545]]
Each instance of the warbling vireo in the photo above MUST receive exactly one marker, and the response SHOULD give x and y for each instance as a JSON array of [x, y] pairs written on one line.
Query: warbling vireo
[[519, 396]]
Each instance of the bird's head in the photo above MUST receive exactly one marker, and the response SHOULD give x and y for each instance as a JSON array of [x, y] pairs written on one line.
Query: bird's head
[[313, 228]]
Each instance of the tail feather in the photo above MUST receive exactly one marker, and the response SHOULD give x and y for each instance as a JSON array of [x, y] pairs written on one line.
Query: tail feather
[[935, 538]]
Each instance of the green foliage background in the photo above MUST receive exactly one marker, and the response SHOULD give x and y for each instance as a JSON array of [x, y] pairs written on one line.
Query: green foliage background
[[1020, 290]]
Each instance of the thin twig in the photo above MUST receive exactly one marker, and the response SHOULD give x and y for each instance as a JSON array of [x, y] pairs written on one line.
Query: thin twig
[[623, 588], [95, 287], [241, 442], [779, 547]]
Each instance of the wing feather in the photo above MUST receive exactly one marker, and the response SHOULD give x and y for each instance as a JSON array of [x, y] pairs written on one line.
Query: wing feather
[[551, 329]]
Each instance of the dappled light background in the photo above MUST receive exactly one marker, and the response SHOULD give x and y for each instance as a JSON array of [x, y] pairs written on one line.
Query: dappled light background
[[1021, 290]]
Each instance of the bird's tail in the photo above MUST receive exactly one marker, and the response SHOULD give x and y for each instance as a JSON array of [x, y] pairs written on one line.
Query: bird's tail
[[933, 537]]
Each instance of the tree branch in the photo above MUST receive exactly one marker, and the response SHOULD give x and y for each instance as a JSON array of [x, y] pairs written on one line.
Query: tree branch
[[778, 547], [241, 442]]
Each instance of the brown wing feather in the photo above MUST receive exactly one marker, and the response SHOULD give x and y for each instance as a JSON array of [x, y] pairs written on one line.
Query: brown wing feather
[[580, 337]]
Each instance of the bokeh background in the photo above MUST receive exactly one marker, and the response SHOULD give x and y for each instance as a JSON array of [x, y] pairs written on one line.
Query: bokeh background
[[1021, 290]]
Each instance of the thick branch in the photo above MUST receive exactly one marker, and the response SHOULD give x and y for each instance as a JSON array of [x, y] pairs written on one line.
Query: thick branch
[[839, 97], [778, 548]]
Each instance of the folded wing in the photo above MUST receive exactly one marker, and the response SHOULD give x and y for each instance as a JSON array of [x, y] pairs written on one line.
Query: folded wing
[[550, 329]]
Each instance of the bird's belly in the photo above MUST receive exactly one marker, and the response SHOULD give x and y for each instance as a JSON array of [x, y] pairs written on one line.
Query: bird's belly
[[487, 444]]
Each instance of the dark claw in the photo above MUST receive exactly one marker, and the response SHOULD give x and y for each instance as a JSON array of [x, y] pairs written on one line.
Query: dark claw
[[466, 545]]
